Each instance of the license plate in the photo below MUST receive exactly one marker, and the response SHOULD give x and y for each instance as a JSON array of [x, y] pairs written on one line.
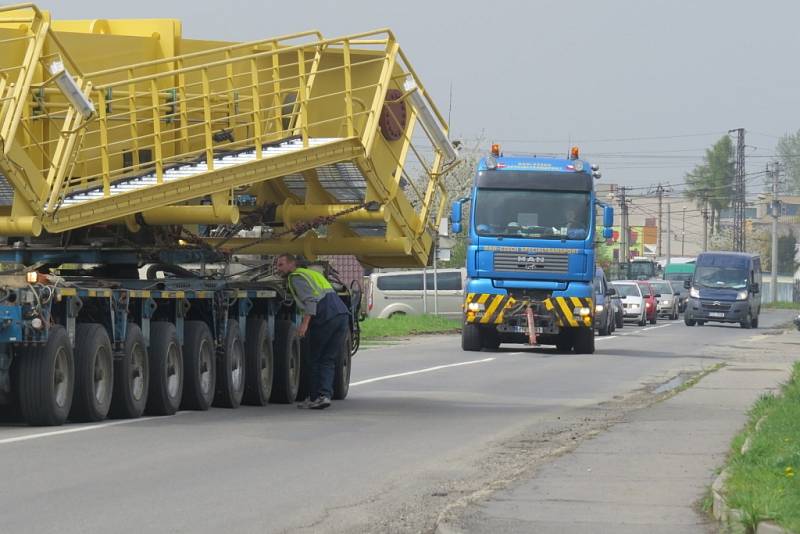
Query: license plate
[[716, 314]]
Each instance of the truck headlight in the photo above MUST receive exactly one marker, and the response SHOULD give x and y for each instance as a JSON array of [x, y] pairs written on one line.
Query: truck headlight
[[598, 308], [741, 295], [476, 306], [694, 293], [583, 312]]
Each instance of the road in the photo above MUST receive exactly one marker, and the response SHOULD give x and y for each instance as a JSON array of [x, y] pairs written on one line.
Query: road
[[425, 424]]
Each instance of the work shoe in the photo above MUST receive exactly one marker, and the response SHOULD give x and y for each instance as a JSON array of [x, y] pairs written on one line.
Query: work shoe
[[320, 403], [305, 404]]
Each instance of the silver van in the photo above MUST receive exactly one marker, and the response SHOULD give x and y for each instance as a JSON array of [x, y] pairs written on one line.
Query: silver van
[[401, 293]]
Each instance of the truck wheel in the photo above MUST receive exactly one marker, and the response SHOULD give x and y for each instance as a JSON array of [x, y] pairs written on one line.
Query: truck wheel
[[584, 341], [46, 380], [258, 363], [341, 381], [199, 360], [490, 338], [564, 341], [166, 370], [471, 338], [131, 376], [230, 369], [94, 373], [286, 352]]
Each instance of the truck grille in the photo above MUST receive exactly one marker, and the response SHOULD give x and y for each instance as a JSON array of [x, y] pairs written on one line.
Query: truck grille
[[715, 305], [531, 263]]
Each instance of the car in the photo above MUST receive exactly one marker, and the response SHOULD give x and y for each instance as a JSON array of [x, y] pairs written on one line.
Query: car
[[650, 300], [797, 322], [668, 301], [603, 312], [725, 288], [396, 293], [632, 300], [619, 311]]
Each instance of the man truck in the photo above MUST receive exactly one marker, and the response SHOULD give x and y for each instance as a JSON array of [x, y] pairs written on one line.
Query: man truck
[[531, 252]]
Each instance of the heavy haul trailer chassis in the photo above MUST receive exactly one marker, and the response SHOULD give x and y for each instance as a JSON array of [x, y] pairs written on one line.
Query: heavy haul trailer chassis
[[492, 319], [82, 349]]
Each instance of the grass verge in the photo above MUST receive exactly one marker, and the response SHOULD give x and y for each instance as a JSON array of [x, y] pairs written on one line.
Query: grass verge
[[406, 325], [782, 306], [765, 482]]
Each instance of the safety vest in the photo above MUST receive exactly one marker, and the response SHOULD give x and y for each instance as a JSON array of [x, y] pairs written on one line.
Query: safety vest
[[318, 283]]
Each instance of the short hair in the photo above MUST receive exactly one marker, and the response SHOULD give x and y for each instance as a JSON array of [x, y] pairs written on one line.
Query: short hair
[[290, 257]]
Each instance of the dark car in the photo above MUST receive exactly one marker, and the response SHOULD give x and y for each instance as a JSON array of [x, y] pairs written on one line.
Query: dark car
[[650, 300], [604, 320], [725, 288]]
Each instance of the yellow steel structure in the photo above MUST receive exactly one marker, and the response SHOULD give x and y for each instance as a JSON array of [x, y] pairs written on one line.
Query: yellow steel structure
[[163, 130]]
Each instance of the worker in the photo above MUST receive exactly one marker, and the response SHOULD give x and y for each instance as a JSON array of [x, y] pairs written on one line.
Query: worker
[[325, 321]]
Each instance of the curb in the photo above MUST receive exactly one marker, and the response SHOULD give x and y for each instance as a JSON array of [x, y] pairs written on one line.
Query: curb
[[724, 513]]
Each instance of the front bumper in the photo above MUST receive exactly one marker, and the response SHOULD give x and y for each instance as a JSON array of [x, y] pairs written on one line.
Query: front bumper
[[725, 311], [550, 315]]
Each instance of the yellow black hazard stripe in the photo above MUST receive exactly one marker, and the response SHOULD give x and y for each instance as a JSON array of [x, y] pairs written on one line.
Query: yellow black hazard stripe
[[493, 307], [563, 309]]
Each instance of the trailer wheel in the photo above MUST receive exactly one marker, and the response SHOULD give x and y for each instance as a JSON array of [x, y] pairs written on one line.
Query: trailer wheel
[[583, 341], [230, 369], [94, 373], [471, 338], [46, 380], [341, 382], [166, 370], [199, 359], [286, 352], [131, 376], [258, 359]]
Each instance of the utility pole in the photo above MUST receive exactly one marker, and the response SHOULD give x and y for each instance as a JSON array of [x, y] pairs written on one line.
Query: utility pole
[[775, 210], [660, 238], [624, 252], [739, 194], [669, 234], [705, 220], [683, 232]]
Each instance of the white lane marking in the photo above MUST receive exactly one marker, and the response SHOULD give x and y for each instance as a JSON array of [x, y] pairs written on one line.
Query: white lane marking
[[419, 371], [654, 327], [599, 338], [84, 428]]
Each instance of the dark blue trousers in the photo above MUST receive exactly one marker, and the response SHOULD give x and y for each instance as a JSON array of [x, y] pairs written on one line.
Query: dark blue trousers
[[326, 344]]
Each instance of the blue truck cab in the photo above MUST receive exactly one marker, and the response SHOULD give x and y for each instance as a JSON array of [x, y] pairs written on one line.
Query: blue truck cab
[[531, 252]]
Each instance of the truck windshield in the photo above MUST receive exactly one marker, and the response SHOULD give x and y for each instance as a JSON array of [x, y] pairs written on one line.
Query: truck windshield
[[526, 213], [720, 277], [641, 270]]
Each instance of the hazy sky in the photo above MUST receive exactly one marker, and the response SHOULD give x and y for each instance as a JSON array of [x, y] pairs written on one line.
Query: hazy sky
[[643, 86]]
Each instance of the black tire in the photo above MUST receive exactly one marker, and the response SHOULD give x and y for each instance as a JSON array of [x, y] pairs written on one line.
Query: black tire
[[748, 321], [583, 341], [620, 320], [258, 363], [231, 369], [564, 341], [286, 363], [643, 320], [131, 376], [166, 370], [94, 373], [341, 380], [490, 338], [687, 320], [607, 330], [471, 338], [200, 366], [45, 377], [654, 320], [754, 322], [700, 323]]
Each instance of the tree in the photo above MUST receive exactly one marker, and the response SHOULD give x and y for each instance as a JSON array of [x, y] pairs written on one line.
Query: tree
[[458, 184], [713, 180], [788, 150]]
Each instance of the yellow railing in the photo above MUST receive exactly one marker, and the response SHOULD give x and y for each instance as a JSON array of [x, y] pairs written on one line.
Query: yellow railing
[[156, 115]]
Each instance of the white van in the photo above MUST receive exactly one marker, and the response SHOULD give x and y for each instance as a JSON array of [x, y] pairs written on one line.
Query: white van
[[401, 292]]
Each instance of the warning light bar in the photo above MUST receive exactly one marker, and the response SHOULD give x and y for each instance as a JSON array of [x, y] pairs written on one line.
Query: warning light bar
[[574, 153], [496, 150]]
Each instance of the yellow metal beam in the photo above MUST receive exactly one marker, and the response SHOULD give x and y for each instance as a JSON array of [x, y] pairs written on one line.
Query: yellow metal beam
[[311, 246], [290, 213]]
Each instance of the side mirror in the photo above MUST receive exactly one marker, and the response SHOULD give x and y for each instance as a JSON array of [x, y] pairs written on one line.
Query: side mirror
[[608, 233], [756, 288], [677, 294], [611, 292], [687, 284], [608, 216], [455, 216], [658, 295]]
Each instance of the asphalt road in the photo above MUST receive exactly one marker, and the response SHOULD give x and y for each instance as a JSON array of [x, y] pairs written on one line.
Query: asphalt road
[[424, 422]]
